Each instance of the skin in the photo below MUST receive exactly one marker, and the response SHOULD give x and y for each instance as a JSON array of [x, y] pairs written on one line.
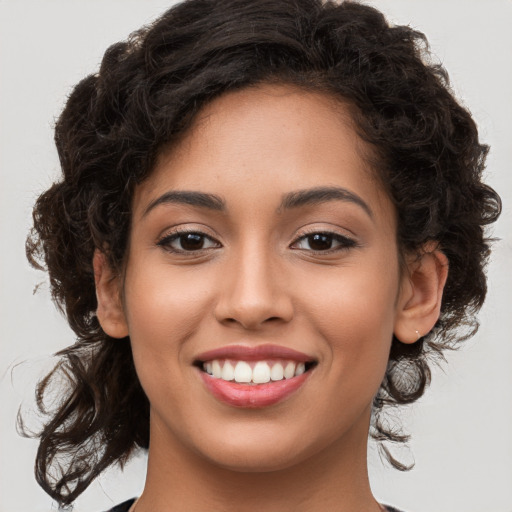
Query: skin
[[257, 280]]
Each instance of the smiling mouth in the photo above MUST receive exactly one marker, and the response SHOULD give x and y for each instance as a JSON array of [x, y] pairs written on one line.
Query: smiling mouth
[[254, 377], [255, 372]]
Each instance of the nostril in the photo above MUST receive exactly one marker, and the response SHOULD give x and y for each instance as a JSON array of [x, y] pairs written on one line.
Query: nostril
[[251, 323], [251, 306]]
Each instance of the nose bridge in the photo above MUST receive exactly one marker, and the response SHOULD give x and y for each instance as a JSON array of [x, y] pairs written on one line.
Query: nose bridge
[[253, 292]]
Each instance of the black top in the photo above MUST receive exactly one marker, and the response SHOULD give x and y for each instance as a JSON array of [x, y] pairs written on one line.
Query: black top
[[124, 507]]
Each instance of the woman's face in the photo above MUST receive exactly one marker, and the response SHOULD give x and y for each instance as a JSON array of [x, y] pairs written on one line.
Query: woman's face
[[261, 246]]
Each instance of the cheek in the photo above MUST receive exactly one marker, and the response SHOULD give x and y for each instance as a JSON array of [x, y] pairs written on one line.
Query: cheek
[[164, 310], [353, 312]]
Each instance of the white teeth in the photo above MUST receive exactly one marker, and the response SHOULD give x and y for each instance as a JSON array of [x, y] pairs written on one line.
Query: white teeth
[[258, 372], [216, 369], [243, 372], [261, 373], [277, 372], [228, 372], [289, 370], [301, 368]]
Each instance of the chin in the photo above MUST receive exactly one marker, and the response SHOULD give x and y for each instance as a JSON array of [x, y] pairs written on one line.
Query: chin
[[256, 460], [261, 451]]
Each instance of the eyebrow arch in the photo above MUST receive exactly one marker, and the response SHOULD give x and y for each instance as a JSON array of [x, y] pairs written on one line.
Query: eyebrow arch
[[319, 195], [200, 199]]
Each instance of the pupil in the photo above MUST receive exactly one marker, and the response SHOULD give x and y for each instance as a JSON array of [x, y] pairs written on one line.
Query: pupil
[[191, 241], [320, 242]]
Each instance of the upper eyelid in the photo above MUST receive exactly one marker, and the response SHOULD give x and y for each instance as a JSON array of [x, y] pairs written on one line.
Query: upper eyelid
[[165, 242], [176, 231], [335, 236], [346, 241], [327, 227], [328, 231], [303, 233]]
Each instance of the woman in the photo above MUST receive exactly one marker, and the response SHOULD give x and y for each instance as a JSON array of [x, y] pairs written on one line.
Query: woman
[[271, 215]]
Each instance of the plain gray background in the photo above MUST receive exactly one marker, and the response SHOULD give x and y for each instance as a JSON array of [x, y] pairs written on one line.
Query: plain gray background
[[462, 428]]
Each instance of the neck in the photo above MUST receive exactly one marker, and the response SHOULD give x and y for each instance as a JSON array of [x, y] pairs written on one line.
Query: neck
[[335, 478]]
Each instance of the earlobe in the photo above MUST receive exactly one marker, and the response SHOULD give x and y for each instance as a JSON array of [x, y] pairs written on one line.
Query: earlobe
[[420, 300], [110, 310]]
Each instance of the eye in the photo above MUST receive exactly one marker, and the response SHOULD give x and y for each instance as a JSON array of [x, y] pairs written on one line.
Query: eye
[[187, 241], [323, 242]]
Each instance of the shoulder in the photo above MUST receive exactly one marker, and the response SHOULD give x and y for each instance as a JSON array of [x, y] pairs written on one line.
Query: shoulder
[[123, 507]]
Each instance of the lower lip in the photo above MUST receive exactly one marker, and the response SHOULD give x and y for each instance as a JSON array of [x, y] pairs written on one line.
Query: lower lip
[[253, 396]]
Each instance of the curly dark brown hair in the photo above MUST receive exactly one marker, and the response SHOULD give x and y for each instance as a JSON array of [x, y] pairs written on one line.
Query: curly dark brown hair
[[145, 95]]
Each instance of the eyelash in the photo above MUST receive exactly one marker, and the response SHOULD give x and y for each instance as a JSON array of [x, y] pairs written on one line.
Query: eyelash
[[344, 242], [166, 241]]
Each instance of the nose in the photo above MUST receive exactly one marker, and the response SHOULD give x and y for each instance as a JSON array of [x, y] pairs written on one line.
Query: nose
[[253, 292]]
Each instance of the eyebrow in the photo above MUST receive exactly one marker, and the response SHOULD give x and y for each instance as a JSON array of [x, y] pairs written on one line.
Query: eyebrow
[[319, 195], [292, 200], [191, 198]]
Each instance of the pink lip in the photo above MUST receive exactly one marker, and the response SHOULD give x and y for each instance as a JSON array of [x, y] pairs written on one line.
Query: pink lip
[[254, 353], [259, 395], [253, 396]]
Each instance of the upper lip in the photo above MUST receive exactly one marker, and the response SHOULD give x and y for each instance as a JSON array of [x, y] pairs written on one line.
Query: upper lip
[[254, 353]]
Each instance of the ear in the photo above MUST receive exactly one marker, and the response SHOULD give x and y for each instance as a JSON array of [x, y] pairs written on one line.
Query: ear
[[419, 303], [110, 310]]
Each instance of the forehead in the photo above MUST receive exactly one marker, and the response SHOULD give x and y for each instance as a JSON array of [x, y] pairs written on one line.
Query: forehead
[[276, 135]]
